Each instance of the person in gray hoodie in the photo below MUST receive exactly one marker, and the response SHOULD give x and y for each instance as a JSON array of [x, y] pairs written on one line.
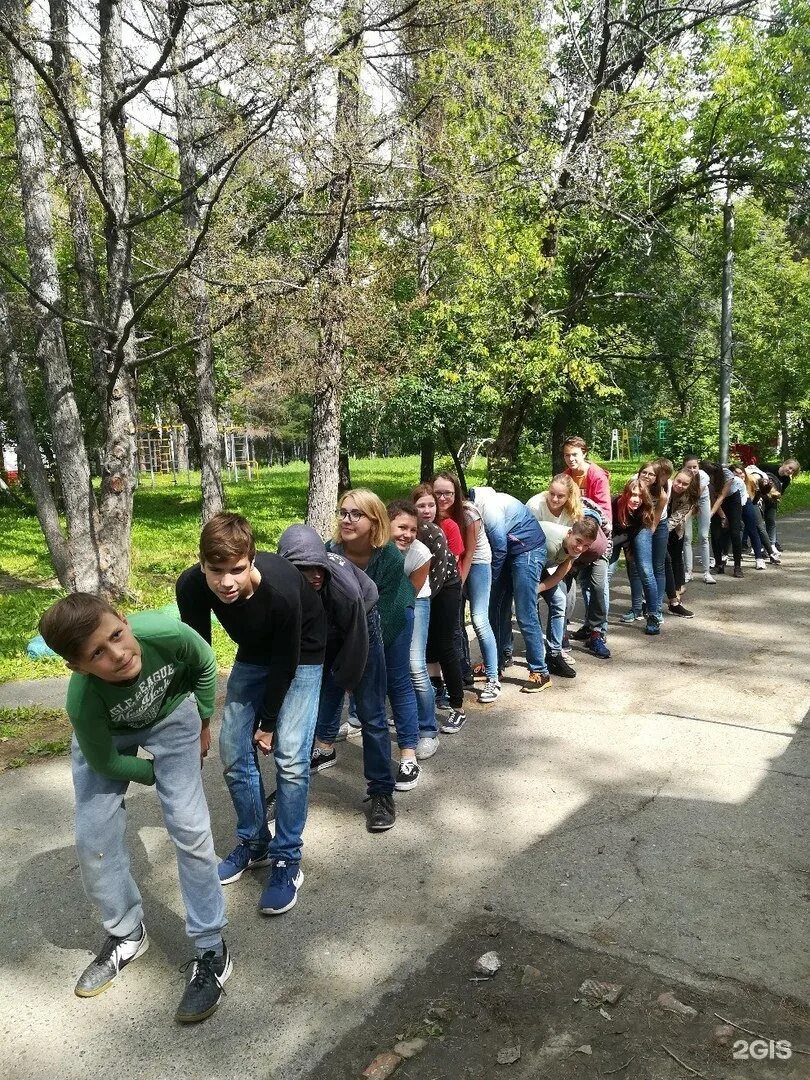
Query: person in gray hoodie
[[355, 660], [348, 595]]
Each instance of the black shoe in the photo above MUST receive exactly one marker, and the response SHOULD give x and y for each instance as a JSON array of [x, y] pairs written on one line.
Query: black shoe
[[582, 634], [468, 681], [454, 722], [115, 954], [738, 571], [204, 989], [679, 609], [381, 812], [720, 568], [558, 665], [322, 759]]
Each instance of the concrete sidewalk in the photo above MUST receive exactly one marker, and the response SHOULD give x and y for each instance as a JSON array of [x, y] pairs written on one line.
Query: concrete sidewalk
[[654, 807]]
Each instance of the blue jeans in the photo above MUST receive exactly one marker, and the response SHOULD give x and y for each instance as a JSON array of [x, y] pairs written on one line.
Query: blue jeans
[[423, 687], [369, 697], [555, 598], [653, 548], [400, 687], [519, 579], [101, 820], [292, 746], [479, 588], [643, 582]]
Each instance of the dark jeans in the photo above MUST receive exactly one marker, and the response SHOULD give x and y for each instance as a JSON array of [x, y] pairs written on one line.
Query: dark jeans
[[443, 640], [731, 532], [369, 697], [675, 570], [755, 530]]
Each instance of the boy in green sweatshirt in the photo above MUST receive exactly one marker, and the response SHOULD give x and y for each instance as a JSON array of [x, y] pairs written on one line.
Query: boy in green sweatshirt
[[130, 688]]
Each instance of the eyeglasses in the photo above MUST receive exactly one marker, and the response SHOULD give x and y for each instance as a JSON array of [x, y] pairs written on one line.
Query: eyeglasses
[[350, 515], [444, 494]]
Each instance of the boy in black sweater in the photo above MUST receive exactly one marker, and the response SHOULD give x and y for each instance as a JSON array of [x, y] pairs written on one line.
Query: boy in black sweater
[[271, 704]]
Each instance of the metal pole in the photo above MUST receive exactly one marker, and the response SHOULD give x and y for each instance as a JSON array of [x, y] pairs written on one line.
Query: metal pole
[[726, 345]]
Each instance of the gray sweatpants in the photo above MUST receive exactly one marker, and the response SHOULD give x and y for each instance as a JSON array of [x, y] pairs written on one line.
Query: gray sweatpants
[[101, 826]]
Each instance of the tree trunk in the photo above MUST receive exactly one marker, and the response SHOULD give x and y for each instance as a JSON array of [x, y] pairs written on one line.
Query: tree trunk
[[213, 498], [68, 437], [457, 462], [29, 452], [507, 441], [725, 327], [118, 452], [784, 430], [85, 262], [427, 465], [344, 472], [324, 442], [567, 419]]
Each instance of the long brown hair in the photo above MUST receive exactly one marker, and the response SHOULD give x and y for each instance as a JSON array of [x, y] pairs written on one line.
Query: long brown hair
[[456, 511], [688, 499], [647, 510]]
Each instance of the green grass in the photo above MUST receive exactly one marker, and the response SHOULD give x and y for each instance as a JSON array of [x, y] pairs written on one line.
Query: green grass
[[166, 531], [165, 536], [32, 733]]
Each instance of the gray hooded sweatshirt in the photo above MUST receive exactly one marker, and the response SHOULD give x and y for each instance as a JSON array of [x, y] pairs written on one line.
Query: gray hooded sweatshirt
[[348, 595]]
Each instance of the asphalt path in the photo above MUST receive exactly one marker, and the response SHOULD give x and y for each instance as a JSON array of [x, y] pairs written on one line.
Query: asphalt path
[[655, 808]]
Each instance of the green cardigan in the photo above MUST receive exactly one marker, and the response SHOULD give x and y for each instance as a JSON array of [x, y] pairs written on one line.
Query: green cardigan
[[386, 568]]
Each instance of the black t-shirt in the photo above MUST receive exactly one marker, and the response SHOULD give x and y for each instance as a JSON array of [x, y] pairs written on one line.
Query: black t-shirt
[[279, 627], [781, 481]]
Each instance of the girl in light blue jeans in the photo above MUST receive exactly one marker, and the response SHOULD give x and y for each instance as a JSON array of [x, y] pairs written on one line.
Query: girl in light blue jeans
[[704, 516]]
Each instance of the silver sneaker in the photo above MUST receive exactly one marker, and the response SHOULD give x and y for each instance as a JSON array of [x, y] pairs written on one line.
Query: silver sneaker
[[490, 692], [426, 747]]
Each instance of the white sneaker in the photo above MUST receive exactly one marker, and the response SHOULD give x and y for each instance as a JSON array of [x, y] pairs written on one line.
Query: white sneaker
[[490, 692], [760, 564], [688, 575], [568, 656], [775, 558], [354, 729], [343, 731], [708, 579], [426, 747]]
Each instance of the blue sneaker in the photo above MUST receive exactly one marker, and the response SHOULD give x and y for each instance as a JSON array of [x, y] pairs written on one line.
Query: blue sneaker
[[242, 858], [596, 646], [281, 890], [653, 626], [631, 617]]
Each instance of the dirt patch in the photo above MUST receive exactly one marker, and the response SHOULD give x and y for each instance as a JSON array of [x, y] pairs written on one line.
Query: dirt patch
[[31, 733], [527, 1022]]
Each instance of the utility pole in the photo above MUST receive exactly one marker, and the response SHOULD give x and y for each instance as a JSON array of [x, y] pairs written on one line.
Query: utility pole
[[725, 325]]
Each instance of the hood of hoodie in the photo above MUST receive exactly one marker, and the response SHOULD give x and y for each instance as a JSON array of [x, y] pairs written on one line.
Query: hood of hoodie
[[302, 546]]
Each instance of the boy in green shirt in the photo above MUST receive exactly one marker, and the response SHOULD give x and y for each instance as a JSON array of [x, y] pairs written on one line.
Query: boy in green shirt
[[130, 688]]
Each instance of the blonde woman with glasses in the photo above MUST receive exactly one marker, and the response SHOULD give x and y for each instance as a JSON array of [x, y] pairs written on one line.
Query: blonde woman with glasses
[[363, 536]]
